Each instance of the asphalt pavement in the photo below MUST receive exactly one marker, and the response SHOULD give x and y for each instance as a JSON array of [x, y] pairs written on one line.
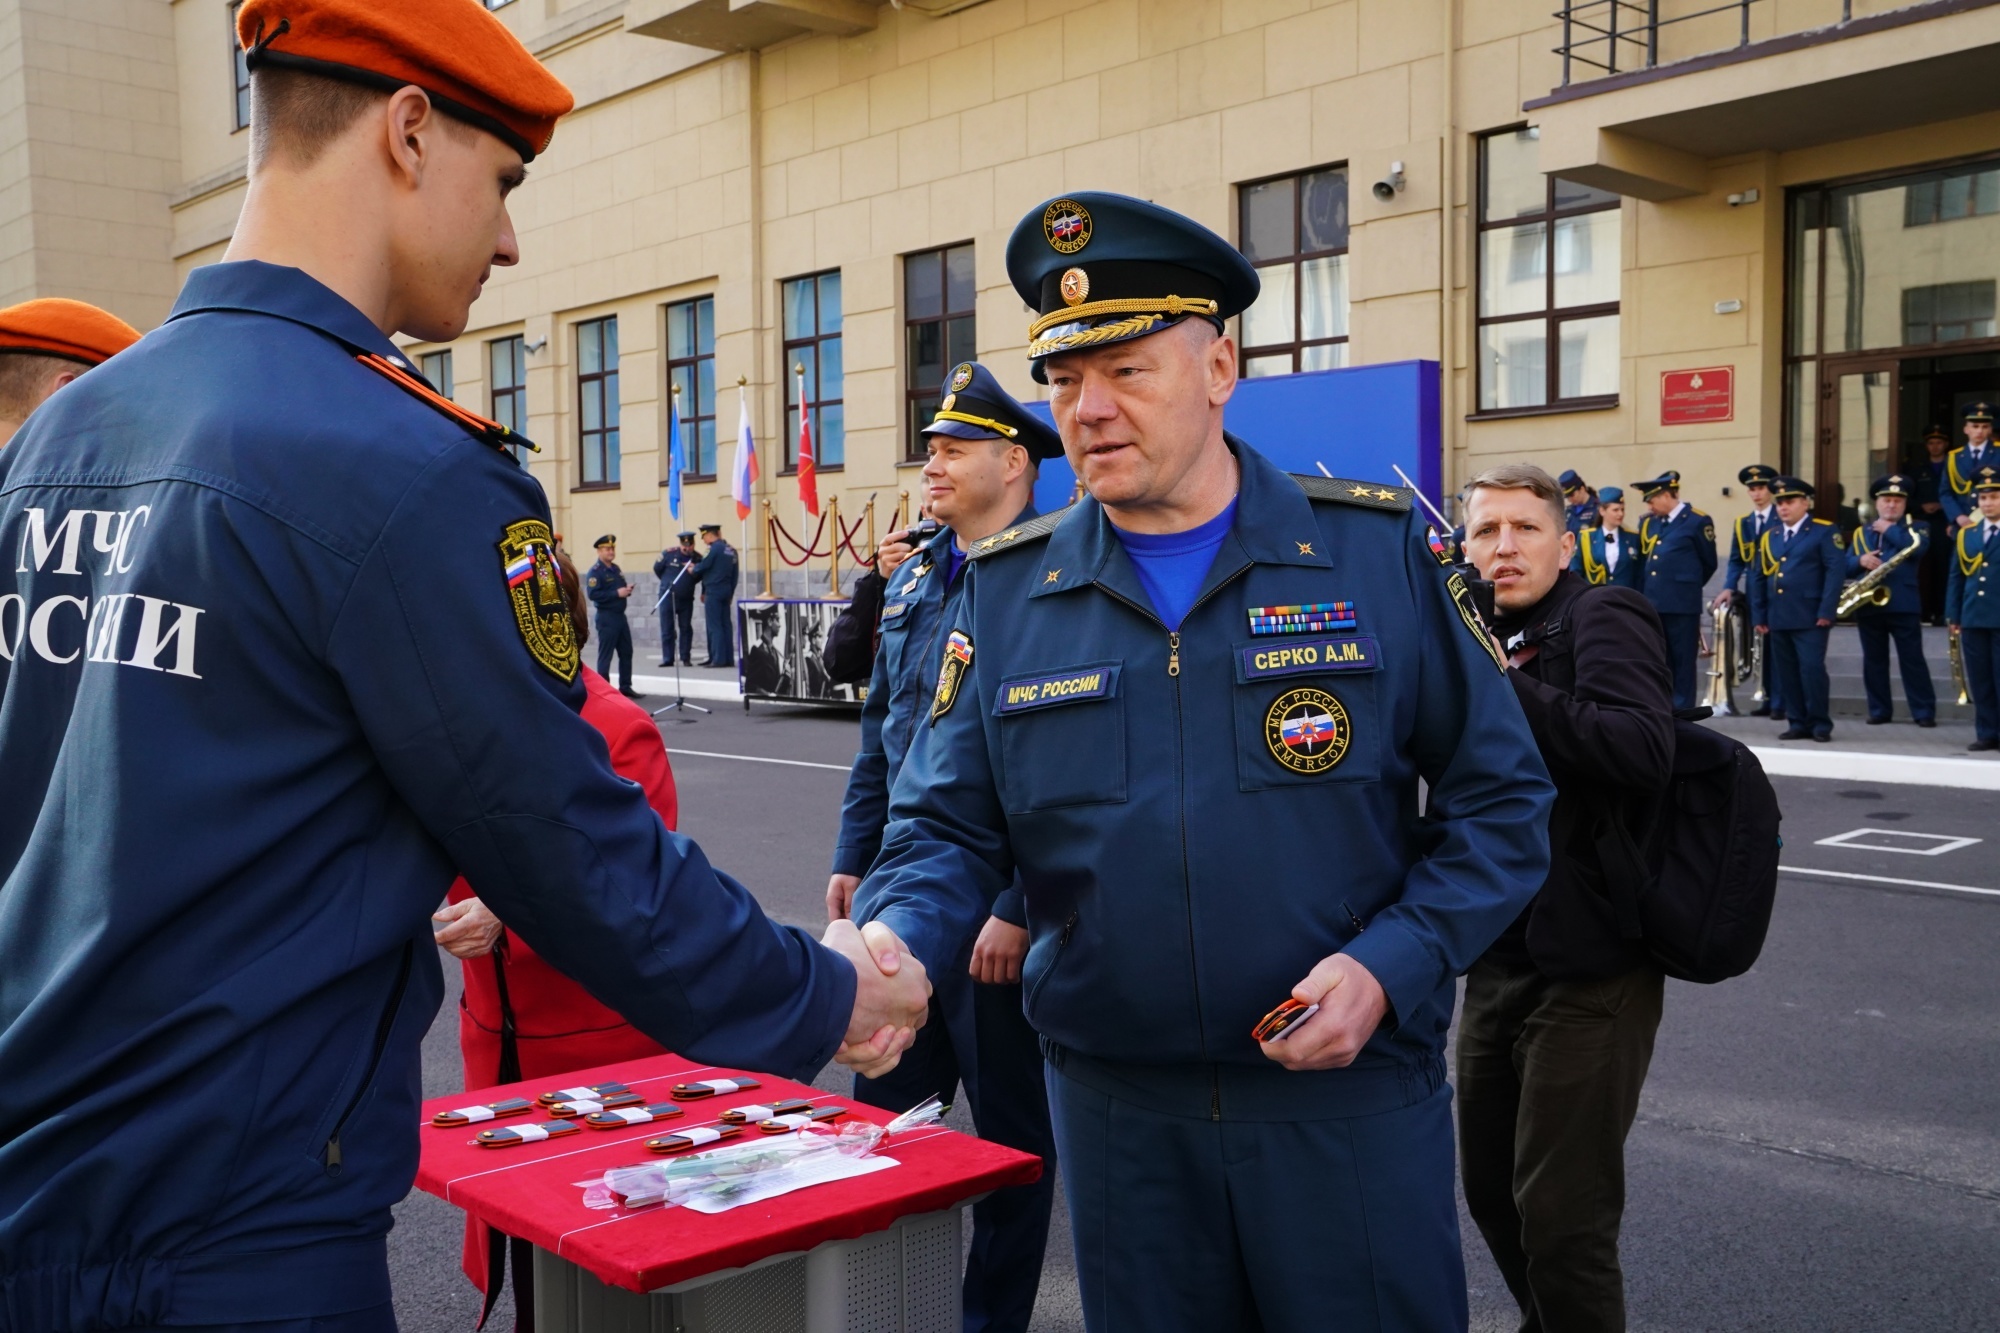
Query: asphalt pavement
[[1818, 1146]]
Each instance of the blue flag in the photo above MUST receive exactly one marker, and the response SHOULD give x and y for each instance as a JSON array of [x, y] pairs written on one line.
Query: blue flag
[[676, 457]]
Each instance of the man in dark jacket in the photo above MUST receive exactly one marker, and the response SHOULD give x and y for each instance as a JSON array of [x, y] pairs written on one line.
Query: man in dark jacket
[[609, 590], [676, 608], [1561, 1012], [716, 572]]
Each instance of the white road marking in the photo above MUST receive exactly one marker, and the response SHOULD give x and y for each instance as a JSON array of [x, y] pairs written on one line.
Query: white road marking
[[1945, 842], [758, 759], [1885, 879]]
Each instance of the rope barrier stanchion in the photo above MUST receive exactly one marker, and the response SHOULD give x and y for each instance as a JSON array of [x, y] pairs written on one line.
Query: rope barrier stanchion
[[869, 514], [833, 548], [770, 549]]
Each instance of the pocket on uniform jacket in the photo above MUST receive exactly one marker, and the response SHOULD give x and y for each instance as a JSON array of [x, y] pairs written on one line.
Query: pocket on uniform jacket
[[1062, 737], [1306, 711]]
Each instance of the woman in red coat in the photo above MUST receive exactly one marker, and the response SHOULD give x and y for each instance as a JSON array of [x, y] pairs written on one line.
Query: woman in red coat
[[519, 1018]]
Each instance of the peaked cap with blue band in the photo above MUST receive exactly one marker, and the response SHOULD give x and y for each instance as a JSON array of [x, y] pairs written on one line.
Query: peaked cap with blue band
[[1758, 474], [975, 407], [1666, 481], [1104, 268], [1791, 488]]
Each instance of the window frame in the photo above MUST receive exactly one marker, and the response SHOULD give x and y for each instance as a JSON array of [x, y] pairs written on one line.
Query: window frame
[[915, 396], [693, 365], [441, 357], [788, 448], [1296, 261], [604, 382], [508, 403], [239, 71], [1551, 316]]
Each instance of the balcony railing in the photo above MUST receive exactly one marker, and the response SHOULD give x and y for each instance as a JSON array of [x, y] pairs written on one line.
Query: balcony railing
[[1605, 37]]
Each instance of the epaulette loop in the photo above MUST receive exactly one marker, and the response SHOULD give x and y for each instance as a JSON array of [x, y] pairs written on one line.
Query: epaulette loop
[[1368, 494], [1039, 526], [492, 432]]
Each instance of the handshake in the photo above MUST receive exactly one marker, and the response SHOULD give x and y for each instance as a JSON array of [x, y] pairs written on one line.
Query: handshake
[[892, 996]]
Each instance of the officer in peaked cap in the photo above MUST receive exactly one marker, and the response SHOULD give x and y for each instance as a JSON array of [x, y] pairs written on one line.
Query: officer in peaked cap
[[609, 592], [1579, 500], [301, 655], [1972, 606], [1927, 504], [1677, 542], [1187, 717], [44, 345], [984, 449], [676, 609], [1794, 590], [1962, 465], [1748, 531], [1900, 617]]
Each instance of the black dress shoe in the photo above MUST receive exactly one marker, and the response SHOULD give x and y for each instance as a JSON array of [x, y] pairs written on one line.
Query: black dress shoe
[[1984, 745], [1777, 716], [1877, 721], [1823, 739], [1794, 734], [687, 661], [629, 692], [1765, 711], [707, 664], [1927, 722]]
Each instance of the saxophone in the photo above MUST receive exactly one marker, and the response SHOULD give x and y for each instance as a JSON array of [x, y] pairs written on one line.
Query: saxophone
[[1871, 588]]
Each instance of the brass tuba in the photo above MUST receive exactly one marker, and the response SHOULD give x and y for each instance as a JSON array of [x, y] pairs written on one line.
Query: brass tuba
[[1735, 658], [1957, 655]]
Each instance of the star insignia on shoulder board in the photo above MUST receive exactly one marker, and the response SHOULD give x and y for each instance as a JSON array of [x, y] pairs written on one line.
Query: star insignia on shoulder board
[[989, 543], [1360, 492], [1385, 495], [1010, 534], [1053, 574], [1305, 548]]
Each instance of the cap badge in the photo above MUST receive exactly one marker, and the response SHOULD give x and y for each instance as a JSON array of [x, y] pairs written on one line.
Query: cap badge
[[1066, 224], [961, 377], [1306, 731], [1075, 286], [949, 399]]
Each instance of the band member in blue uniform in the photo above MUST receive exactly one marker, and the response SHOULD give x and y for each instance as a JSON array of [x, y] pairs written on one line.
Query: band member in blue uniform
[[1900, 617], [1188, 716], [1794, 588], [1927, 508], [1677, 542], [1972, 607], [1744, 535], [288, 652], [609, 591], [716, 572], [984, 449], [1963, 465], [1606, 551], [1580, 502], [676, 608]]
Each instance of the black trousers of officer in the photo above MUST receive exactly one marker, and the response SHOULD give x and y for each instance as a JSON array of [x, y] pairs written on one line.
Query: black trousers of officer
[[1683, 644], [614, 635], [1801, 662], [376, 1319], [1906, 629], [677, 610], [1010, 1106], [721, 631], [1981, 649]]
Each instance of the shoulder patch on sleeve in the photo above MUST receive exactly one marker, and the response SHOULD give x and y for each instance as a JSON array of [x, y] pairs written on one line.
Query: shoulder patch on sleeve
[[1021, 534], [1368, 494], [541, 613]]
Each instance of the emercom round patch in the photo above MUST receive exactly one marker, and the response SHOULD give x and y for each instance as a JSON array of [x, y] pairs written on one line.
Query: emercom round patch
[[1306, 731]]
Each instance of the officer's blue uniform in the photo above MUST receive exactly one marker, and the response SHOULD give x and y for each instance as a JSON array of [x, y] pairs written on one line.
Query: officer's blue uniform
[[1795, 585], [1972, 602], [984, 1039], [1592, 561], [676, 607], [716, 571], [1679, 552], [1582, 515], [614, 631], [1962, 467], [247, 745], [1900, 620], [1744, 535]]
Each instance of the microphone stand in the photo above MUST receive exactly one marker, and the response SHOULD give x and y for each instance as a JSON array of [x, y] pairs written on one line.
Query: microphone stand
[[680, 703]]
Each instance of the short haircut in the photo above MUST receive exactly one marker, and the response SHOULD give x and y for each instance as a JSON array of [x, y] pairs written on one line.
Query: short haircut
[[24, 378], [572, 591], [1521, 477], [296, 115]]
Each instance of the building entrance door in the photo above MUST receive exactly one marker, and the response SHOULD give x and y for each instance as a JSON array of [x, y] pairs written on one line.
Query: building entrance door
[[1857, 436]]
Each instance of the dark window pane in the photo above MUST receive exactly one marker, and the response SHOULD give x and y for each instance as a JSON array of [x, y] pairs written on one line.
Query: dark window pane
[[611, 404], [589, 349], [680, 330], [1571, 195], [705, 317], [923, 286], [926, 354], [829, 368], [610, 327], [706, 401], [592, 405], [959, 341], [1267, 219], [1323, 212], [798, 301], [830, 443], [829, 302], [959, 282], [611, 459]]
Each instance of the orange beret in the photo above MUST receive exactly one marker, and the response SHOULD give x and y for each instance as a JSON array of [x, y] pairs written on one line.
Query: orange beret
[[473, 68], [59, 327]]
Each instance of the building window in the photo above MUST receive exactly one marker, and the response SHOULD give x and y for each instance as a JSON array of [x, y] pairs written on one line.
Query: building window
[[691, 369], [240, 64], [597, 400], [938, 332], [1548, 260], [507, 386], [812, 341], [436, 367], [1947, 198], [1947, 313], [1294, 229]]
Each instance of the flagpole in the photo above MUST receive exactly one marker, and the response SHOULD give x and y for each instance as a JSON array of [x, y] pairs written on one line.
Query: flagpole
[[800, 464], [743, 501]]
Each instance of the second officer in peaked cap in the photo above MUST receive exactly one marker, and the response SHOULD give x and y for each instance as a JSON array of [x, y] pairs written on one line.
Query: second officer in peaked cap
[[1899, 616], [1677, 543], [1188, 717], [1794, 591]]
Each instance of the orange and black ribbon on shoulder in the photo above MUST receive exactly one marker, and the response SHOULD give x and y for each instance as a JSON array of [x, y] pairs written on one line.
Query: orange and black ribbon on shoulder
[[495, 434]]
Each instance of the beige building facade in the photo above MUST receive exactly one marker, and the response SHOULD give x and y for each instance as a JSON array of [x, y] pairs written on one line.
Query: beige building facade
[[1633, 242]]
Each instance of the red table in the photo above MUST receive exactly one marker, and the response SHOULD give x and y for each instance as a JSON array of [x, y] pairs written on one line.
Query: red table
[[531, 1190]]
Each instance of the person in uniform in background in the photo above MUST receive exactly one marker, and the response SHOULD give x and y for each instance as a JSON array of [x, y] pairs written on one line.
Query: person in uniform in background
[[1794, 588], [329, 668], [851, 643], [716, 573], [1928, 506], [1972, 607], [1582, 502], [1606, 553], [676, 609], [1963, 465], [47, 343], [1743, 539], [1677, 542], [519, 1018], [609, 591], [983, 452], [1188, 717], [1899, 619]]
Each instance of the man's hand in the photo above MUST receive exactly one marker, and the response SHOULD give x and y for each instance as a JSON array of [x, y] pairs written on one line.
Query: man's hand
[[895, 549], [840, 896], [1870, 560], [1966, 520], [471, 929], [892, 997], [625, 591], [1822, 622], [1880, 525], [1763, 629], [997, 953], [1725, 597], [1351, 1006]]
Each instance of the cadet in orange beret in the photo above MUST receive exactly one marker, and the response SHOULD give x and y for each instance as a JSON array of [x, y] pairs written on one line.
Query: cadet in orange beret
[[285, 650], [46, 343]]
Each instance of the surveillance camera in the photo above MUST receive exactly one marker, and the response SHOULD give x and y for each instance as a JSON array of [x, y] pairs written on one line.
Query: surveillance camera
[[1386, 188]]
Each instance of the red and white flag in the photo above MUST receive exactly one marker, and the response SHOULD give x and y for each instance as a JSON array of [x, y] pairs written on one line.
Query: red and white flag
[[808, 478]]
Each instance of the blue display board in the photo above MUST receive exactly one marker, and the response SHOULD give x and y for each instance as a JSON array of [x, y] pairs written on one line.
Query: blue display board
[[1363, 422]]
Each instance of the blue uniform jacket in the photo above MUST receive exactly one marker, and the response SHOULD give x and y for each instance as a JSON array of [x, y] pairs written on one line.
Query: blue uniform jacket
[[1972, 594], [669, 566], [716, 571], [1680, 556], [247, 745], [1904, 595], [602, 584], [1743, 538], [1589, 563], [1797, 583], [1959, 466], [1181, 877], [915, 606], [1578, 517]]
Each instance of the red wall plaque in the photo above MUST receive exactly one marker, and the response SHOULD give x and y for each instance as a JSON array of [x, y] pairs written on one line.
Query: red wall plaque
[[1692, 397]]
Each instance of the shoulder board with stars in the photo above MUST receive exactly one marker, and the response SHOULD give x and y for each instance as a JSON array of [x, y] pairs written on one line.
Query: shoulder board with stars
[[1018, 535], [1368, 494]]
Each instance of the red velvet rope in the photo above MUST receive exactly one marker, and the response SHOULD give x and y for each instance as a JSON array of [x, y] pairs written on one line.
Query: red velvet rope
[[810, 551]]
